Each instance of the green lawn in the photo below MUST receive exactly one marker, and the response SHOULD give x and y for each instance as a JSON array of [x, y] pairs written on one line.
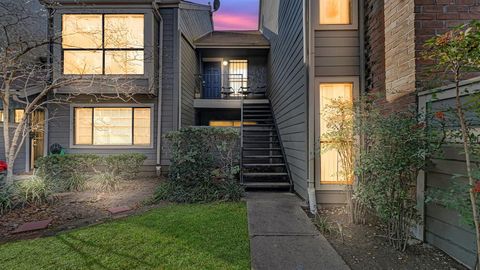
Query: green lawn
[[212, 236]]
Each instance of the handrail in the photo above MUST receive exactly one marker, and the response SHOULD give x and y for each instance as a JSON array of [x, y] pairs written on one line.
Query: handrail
[[241, 138], [282, 147]]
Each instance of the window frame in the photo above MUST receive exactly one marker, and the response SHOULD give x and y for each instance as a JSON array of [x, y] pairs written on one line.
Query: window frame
[[355, 81], [354, 17], [150, 106], [102, 49]]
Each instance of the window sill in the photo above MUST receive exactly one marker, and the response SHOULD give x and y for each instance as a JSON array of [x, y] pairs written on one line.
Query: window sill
[[111, 147]]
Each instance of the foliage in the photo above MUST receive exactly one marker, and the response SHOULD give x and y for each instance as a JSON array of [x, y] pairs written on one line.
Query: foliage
[[33, 191], [72, 172], [6, 195], [105, 181], [396, 148], [66, 172], [456, 53], [204, 166], [124, 166], [339, 116], [323, 224], [206, 236]]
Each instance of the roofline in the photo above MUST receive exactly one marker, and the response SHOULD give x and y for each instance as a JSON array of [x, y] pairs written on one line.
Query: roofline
[[160, 3]]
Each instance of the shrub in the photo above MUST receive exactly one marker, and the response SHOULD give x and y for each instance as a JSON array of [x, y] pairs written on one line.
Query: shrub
[[125, 166], [66, 172], [204, 166], [106, 182], [33, 191], [396, 148], [6, 199], [72, 171]]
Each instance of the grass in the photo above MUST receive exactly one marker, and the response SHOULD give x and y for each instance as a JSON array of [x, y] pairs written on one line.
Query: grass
[[210, 236]]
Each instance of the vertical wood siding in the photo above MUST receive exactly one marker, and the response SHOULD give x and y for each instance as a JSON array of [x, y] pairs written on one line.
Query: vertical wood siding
[[287, 89]]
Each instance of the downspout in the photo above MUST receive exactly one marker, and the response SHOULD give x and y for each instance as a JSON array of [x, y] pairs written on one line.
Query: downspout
[[307, 28], [158, 167]]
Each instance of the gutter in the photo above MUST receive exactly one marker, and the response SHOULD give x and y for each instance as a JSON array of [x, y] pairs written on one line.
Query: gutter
[[308, 56], [158, 167]]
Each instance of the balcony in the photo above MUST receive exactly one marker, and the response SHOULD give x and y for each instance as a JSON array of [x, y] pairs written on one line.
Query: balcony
[[215, 90]]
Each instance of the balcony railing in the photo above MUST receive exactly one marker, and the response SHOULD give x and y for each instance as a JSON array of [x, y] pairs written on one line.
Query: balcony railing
[[225, 86]]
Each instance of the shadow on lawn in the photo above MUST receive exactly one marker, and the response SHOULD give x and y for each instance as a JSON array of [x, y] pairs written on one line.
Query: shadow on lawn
[[91, 260]]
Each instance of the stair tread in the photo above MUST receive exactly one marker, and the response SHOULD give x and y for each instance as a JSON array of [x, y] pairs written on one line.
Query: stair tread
[[262, 148], [263, 156], [267, 184], [264, 164]]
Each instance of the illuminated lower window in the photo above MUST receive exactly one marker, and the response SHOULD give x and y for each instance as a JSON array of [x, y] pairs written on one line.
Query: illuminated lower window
[[330, 162], [113, 126]]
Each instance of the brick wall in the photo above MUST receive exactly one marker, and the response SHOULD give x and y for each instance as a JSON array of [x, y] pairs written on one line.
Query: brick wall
[[433, 17], [374, 47], [399, 49]]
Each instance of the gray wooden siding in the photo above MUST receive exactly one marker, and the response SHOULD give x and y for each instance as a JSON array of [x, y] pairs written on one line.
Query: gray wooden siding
[[287, 89], [192, 24], [337, 53], [443, 227], [59, 132], [189, 69]]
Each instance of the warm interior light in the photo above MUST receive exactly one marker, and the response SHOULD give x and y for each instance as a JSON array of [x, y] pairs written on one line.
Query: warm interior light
[[225, 63]]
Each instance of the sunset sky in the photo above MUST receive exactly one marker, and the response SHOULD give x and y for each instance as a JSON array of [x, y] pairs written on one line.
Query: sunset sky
[[235, 14]]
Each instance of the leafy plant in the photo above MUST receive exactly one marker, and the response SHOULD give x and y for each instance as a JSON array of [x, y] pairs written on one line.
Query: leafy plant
[[6, 198], [456, 53], [125, 166], [33, 191], [396, 148], [105, 182], [204, 166], [322, 224]]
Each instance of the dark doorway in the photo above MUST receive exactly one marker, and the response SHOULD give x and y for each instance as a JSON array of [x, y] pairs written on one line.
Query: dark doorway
[[212, 80]]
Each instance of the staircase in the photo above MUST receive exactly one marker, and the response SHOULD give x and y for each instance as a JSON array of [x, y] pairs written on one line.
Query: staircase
[[263, 163]]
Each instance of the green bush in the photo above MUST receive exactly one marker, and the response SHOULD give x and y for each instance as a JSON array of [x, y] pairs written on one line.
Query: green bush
[[71, 172], [204, 166], [125, 166], [66, 172], [6, 199], [105, 182], [33, 191]]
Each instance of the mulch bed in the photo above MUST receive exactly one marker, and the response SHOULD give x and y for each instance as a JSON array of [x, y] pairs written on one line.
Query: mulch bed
[[77, 209], [363, 247]]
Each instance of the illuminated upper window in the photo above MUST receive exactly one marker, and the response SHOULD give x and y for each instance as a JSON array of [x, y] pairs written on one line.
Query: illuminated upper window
[[335, 12], [103, 43]]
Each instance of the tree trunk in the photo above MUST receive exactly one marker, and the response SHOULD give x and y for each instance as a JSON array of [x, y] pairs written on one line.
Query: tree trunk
[[466, 149]]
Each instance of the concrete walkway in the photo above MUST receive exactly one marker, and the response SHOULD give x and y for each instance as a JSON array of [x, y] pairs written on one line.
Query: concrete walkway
[[283, 237]]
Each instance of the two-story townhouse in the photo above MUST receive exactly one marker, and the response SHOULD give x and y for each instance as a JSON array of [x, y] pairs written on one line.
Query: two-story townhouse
[[324, 49]]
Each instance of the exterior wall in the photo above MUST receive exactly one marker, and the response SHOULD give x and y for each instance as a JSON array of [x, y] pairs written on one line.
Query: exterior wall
[[192, 25], [399, 49], [60, 131], [287, 88], [374, 47], [443, 227], [20, 165], [189, 69], [434, 17]]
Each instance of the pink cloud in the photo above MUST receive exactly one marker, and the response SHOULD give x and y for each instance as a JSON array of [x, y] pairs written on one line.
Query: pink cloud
[[232, 21]]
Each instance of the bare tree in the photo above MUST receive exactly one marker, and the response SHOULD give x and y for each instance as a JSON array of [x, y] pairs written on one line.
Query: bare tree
[[26, 74]]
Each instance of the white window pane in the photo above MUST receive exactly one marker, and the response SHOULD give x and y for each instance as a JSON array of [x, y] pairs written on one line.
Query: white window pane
[[141, 126], [238, 74], [83, 126], [335, 12], [124, 31], [82, 31], [82, 62], [124, 62], [112, 126], [330, 162]]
